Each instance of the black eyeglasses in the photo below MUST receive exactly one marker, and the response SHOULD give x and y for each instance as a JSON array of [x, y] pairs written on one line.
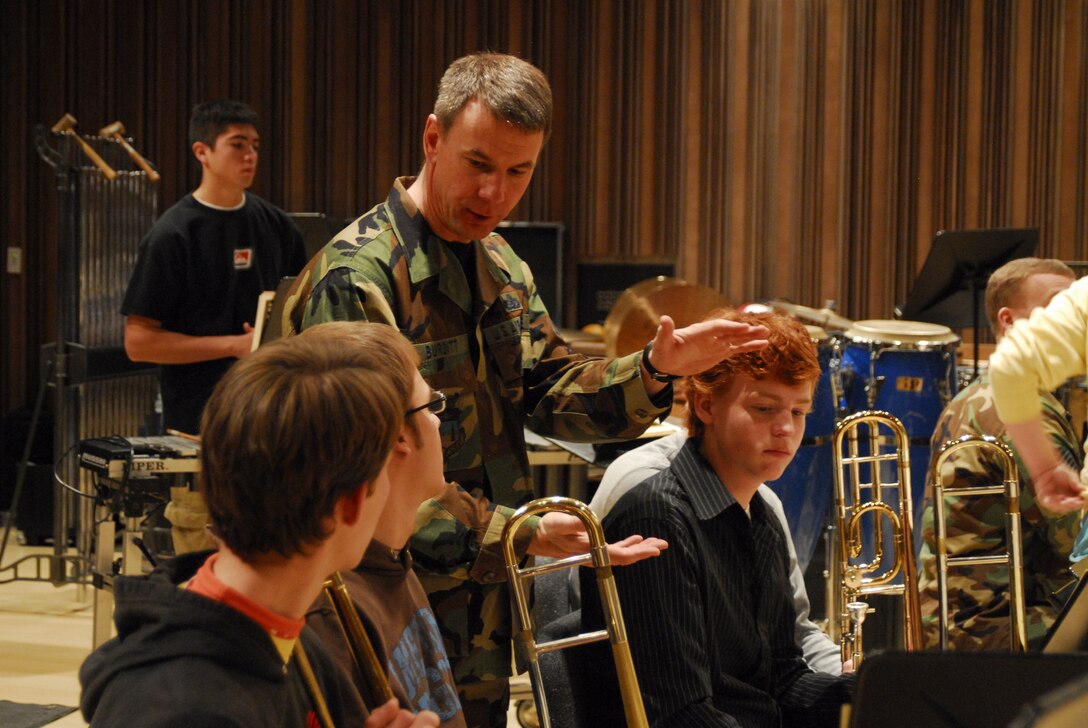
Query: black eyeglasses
[[436, 405]]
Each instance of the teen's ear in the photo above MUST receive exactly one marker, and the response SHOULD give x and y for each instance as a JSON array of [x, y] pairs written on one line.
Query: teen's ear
[[403, 446], [200, 151], [700, 405], [350, 506]]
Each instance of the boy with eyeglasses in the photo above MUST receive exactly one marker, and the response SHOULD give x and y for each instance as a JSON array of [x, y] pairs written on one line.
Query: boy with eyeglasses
[[386, 592]]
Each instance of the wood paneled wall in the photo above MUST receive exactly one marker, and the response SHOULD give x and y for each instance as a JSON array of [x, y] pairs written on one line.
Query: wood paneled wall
[[806, 149]]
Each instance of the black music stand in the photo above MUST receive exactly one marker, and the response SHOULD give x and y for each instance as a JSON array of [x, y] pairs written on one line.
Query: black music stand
[[1070, 630], [950, 287]]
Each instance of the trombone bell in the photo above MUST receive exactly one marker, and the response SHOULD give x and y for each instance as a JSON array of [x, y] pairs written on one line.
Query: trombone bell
[[861, 447]]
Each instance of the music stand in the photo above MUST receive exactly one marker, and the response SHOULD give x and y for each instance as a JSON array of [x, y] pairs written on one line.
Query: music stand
[[949, 289], [1070, 631]]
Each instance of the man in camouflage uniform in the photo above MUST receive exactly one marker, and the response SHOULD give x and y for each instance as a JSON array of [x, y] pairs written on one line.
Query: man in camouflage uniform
[[978, 595], [426, 261]]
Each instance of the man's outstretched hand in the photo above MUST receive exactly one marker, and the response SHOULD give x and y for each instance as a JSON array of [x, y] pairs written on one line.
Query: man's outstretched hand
[[560, 535]]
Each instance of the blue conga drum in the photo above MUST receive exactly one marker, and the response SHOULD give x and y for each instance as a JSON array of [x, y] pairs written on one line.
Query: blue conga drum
[[907, 368]]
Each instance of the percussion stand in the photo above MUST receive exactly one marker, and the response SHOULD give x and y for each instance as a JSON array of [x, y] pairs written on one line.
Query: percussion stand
[[55, 362]]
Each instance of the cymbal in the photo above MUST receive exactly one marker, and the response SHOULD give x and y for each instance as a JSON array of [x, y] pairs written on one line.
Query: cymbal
[[633, 319], [824, 317]]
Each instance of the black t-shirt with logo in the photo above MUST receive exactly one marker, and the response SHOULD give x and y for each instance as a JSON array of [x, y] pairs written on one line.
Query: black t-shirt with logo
[[200, 271]]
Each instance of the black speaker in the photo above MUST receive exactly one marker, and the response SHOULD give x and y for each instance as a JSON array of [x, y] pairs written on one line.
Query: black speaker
[[540, 244], [961, 689], [601, 283]]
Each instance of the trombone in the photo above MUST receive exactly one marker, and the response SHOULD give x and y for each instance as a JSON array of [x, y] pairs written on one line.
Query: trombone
[[376, 690], [614, 631], [1013, 556], [856, 580]]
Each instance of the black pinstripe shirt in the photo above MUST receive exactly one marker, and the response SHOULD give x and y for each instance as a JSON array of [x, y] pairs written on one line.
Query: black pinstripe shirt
[[710, 621]]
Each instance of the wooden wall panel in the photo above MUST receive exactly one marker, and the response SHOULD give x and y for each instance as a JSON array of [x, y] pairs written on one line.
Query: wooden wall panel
[[807, 149]]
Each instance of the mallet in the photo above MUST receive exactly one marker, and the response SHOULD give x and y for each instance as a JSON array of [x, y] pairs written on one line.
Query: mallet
[[117, 130], [65, 126]]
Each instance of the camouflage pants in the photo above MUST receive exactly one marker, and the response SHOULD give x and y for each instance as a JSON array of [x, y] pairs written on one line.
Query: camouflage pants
[[485, 704]]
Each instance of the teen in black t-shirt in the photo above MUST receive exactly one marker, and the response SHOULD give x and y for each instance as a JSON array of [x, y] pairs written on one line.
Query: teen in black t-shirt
[[192, 297]]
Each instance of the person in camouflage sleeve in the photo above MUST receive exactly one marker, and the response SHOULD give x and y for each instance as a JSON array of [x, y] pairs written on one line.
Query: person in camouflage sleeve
[[978, 595], [427, 262]]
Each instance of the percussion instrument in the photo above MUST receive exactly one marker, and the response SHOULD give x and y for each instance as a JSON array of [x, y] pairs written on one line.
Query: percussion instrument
[[906, 368], [824, 317], [634, 317]]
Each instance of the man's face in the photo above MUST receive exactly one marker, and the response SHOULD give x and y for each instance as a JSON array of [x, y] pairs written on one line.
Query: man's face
[[426, 467], [753, 428], [233, 159], [476, 172], [1036, 291]]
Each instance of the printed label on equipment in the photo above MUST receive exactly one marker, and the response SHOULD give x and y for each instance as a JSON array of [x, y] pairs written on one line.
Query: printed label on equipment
[[910, 384]]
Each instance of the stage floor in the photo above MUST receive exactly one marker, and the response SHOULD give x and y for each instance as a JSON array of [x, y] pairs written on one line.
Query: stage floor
[[45, 634]]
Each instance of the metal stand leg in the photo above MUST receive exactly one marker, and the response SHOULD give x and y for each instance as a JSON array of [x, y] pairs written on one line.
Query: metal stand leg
[[553, 480], [132, 559], [576, 482], [103, 576]]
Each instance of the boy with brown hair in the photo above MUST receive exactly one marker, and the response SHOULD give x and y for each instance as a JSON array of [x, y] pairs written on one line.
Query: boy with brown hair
[[296, 439]]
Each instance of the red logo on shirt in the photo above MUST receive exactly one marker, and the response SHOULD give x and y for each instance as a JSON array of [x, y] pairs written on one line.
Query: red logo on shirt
[[243, 258]]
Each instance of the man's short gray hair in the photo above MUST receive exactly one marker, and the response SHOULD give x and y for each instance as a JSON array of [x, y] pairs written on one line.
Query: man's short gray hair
[[514, 90]]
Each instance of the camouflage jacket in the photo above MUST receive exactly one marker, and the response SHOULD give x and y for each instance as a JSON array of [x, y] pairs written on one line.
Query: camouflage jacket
[[978, 595], [499, 361]]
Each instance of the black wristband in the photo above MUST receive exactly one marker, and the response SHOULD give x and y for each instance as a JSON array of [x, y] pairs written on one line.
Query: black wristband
[[654, 374]]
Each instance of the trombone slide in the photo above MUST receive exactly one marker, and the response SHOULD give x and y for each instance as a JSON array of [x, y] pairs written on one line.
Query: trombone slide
[[1013, 556], [614, 631], [359, 644]]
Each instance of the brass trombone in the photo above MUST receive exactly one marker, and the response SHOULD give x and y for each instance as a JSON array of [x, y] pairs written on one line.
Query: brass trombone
[[855, 580], [614, 631], [376, 690], [1013, 556]]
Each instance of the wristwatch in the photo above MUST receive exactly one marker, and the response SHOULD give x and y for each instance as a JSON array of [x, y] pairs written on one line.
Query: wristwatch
[[654, 374]]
